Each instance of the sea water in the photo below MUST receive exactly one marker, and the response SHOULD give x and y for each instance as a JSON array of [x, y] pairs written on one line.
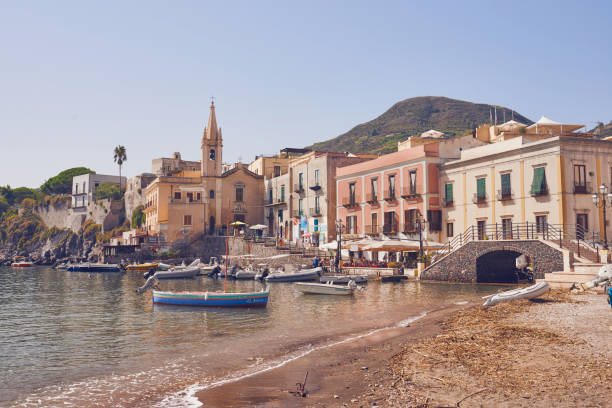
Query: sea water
[[80, 339]]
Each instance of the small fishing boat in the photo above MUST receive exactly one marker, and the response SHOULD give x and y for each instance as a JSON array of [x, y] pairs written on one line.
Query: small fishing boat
[[326, 288], [94, 267], [212, 299], [21, 262], [529, 292], [143, 267], [302, 275], [178, 273], [343, 279]]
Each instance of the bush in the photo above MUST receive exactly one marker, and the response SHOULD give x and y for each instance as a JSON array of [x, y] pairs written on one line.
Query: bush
[[138, 217], [62, 183], [107, 190]]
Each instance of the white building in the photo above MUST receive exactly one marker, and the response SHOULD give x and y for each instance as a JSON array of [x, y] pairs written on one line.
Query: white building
[[83, 187]]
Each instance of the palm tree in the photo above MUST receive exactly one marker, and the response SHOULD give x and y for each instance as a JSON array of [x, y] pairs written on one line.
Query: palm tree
[[120, 157]]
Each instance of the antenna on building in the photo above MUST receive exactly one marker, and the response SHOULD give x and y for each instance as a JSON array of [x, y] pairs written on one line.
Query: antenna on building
[[504, 115], [490, 116], [212, 100]]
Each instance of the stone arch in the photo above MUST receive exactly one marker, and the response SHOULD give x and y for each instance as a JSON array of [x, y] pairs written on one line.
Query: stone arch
[[496, 263]]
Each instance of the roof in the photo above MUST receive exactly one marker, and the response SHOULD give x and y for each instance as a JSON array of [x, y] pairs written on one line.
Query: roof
[[242, 167], [547, 123]]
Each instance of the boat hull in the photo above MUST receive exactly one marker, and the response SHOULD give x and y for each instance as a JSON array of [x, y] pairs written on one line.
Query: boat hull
[[323, 289], [94, 268], [530, 292], [178, 273], [245, 275], [21, 264], [211, 299], [143, 267], [343, 279], [304, 276]]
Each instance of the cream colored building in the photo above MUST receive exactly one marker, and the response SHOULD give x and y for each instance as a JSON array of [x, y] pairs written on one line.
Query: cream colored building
[[543, 174]]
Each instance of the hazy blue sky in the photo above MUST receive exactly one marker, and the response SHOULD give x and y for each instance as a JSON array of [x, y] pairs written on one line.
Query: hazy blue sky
[[78, 78]]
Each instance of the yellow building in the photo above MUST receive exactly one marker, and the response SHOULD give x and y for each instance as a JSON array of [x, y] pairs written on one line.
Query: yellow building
[[188, 202]]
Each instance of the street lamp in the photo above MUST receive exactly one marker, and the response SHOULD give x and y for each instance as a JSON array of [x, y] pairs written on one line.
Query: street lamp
[[339, 230], [599, 199], [419, 225]]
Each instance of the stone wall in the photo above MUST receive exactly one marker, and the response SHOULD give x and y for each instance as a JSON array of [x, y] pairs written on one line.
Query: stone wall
[[238, 246], [460, 265]]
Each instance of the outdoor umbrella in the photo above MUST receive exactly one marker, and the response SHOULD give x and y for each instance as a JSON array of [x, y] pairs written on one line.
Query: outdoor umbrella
[[258, 227], [237, 223]]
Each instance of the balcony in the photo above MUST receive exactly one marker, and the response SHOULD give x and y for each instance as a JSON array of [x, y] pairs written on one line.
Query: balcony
[[372, 230], [316, 186], [298, 188], [184, 201], [479, 199], [410, 228], [584, 188], [541, 192], [410, 192], [372, 198], [390, 229], [315, 212], [239, 207], [390, 195], [277, 201], [297, 213], [349, 202], [505, 194], [448, 202]]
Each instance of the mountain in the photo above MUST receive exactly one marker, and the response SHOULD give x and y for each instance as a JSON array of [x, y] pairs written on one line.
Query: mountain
[[412, 117], [602, 130]]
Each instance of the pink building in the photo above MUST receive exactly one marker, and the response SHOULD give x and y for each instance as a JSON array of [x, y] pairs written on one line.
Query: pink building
[[387, 194]]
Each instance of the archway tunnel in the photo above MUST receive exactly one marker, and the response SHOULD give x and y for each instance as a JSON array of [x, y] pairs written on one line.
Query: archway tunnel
[[497, 267]]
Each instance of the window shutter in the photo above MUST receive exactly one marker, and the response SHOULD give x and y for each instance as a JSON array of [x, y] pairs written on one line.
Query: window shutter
[[538, 186], [505, 184], [481, 188], [449, 193]]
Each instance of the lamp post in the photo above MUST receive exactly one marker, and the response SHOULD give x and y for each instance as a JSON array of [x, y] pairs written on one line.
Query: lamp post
[[419, 225], [339, 230], [599, 199]]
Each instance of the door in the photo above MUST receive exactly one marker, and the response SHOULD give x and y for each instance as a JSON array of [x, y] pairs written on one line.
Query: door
[[481, 229], [582, 226]]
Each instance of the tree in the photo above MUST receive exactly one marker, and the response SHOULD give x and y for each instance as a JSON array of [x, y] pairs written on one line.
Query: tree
[[120, 157], [62, 183]]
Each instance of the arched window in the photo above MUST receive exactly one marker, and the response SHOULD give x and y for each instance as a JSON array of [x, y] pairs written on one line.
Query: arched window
[[212, 194], [212, 155]]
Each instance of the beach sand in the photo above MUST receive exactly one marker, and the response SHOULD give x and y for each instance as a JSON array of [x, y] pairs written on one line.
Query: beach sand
[[554, 351]]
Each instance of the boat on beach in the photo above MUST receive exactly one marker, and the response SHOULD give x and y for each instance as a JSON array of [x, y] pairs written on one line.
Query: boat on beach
[[143, 267], [326, 288], [529, 292], [94, 267], [302, 275]]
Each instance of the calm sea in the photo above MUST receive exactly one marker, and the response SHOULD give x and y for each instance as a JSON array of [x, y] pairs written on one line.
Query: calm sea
[[77, 339]]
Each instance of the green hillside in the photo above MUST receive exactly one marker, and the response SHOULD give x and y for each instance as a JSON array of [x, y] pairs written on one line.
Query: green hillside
[[412, 117]]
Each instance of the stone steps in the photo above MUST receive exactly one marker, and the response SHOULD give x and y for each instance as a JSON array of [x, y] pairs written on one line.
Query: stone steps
[[564, 280], [591, 268]]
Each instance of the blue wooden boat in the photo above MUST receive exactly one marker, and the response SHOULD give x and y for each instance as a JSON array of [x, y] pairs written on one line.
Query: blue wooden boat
[[94, 267], [212, 299]]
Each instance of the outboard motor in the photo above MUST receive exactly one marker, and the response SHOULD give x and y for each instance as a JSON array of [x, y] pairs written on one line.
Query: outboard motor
[[235, 269], [215, 272], [265, 273]]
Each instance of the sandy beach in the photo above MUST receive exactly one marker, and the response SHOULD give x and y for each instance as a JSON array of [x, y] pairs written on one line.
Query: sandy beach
[[555, 351]]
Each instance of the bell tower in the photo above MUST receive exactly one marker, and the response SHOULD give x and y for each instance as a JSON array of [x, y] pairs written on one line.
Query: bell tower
[[212, 146]]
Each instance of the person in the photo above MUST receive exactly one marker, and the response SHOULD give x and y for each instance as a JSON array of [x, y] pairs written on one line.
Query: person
[[315, 262]]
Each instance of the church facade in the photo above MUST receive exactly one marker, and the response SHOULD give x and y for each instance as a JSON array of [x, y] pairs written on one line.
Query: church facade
[[183, 200]]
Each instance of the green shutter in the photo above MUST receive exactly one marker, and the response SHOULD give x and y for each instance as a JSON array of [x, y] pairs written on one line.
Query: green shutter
[[481, 189], [505, 184], [449, 193], [538, 186]]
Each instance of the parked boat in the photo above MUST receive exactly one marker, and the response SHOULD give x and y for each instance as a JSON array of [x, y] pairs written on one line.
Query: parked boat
[[299, 276], [163, 266], [393, 278], [143, 267], [178, 273], [208, 269], [326, 288], [343, 279], [94, 267], [22, 264], [246, 274], [231, 273], [212, 299], [529, 292]]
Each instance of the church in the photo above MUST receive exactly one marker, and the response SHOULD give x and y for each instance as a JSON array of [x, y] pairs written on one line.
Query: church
[[190, 197]]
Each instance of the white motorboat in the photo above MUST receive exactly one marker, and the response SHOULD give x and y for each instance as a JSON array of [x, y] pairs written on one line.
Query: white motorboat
[[163, 267], [529, 292], [178, 273], [343, 279], [326, 288], [299, 276]]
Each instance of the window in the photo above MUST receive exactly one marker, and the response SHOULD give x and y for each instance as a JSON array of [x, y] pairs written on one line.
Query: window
[[76, 188], [449, 229], [481, 189], [580, 186], [240, 194], [410, 219], [352, 193], [390, 225], [177, 195], [211, 194], [541, 223], [481, 226], [189, 197], [507, 228], [300, 206], [198, 196], [277, 171], [351, 224], [84, 187], [506, 189], [270, 196], [582, 226], [317, 206], [392, 186], [301, 181], [316, 177], [374, 185], [434, 217], [538, 186], [412, 178], [186, 219], [448, 193], [374, 223], [212, 154], [282, 199]]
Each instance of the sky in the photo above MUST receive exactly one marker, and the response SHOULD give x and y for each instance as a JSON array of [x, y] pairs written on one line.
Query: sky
[[78, 78]]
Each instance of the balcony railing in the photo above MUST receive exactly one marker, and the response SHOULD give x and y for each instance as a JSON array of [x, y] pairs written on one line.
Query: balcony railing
[[505, 194], [408, 192], [315, 212], [390, 228], [371, 198], [479, 199], [183, 201], [316, 186], [390, 195], [584, 188], [239, 207], [275, 201], [372, 230], [448, 202], [543, 191], [297, 213], [298, 188], [349, 202]]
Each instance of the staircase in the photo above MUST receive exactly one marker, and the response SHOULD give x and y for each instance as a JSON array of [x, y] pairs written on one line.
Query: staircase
[[583, 272]]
